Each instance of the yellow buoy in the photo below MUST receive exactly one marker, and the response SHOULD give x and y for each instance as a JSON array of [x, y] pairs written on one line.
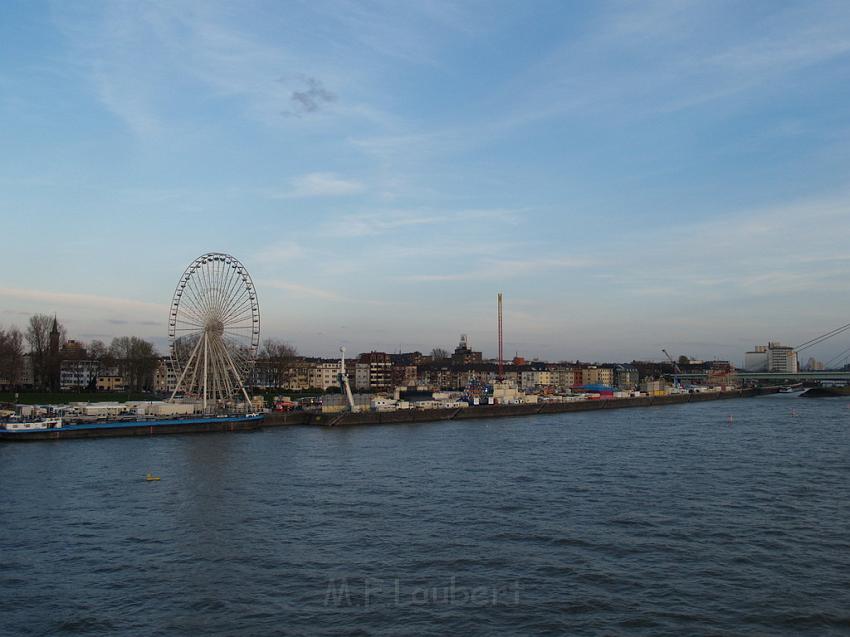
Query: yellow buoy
[[152, 478]]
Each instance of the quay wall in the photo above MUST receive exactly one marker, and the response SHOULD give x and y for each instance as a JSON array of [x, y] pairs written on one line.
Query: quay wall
[[495, 411]]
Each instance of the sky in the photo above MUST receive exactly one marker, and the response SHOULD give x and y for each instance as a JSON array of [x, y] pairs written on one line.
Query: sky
[[632, 175]]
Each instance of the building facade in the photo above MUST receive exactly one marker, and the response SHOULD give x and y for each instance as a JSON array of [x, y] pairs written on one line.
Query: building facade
[[773, 357]]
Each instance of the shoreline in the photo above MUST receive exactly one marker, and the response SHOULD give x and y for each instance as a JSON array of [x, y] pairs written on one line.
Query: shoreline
[[407, 416], [346, 419]]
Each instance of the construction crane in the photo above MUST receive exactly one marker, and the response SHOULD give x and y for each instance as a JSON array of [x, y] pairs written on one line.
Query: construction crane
[[344, 385], [676, 370]]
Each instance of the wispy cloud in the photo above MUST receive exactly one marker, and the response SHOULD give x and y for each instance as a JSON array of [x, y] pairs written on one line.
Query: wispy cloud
[[281, 252], [370, 224], [508, 268], [84, 300], [323, 185], [311, 291], [301, 290]]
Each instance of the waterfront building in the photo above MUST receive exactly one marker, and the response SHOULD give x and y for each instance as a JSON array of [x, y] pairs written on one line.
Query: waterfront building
[[597, 375], [463, 355], [77, 374], [814, 365], [361, 376], [323, 374], [165, 376], [562, 377], [380, 370], [626, 377], [27, 380], [756, 359], [72, 350], [404, 375], [773, 357], [110, 382]]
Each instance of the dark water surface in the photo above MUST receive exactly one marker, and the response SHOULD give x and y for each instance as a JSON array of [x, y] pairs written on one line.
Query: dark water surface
[[666, 520]]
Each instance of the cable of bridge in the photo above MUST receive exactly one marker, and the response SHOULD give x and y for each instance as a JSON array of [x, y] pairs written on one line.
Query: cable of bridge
[[822, 337], [837, 358]]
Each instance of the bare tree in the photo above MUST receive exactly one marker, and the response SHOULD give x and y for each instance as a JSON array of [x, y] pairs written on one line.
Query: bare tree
[[275, 349], [276, 360], [439, 354], [97, 351], [136, 360], [45, 362], [11, 356]]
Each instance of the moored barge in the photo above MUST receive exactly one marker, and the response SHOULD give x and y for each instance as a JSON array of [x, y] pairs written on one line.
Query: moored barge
[[60, 428]]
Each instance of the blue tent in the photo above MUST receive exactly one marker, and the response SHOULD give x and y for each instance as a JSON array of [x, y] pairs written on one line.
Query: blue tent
[[596, 388]]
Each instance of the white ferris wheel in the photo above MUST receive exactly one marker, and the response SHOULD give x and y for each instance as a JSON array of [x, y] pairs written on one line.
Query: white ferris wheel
[[214, 330]]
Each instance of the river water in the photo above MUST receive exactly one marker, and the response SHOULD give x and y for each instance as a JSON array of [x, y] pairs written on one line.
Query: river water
[[725, 518]]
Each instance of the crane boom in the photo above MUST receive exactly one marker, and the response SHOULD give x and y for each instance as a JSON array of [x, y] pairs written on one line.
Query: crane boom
[[676, 370]]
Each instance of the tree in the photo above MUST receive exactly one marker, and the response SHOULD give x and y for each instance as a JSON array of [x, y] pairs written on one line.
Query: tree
[[439, 354], [11, 356], [97, 351], [275, 349], [136, 360], [45, 360], [277, 358], [684, 360]]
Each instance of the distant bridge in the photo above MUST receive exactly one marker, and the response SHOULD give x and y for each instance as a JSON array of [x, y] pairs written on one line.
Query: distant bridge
[[776, 376]]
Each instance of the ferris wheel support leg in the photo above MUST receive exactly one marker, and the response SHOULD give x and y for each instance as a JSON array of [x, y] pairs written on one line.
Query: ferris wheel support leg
[[241, 385], [224, 374], [185, 369], [206, 368]]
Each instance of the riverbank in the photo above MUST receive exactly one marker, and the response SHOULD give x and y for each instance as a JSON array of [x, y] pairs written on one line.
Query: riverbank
[[344, 419], [497, 411]]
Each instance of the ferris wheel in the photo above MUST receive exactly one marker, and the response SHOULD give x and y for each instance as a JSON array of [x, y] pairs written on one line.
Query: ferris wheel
[[214, 330]]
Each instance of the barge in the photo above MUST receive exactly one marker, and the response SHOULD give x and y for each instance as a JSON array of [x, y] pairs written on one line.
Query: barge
[[60, 428]]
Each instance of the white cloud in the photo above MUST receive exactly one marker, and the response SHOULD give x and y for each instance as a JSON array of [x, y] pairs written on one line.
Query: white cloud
[[501, 269], [323, 185], [367, 224], [300, 290], [83, 300]]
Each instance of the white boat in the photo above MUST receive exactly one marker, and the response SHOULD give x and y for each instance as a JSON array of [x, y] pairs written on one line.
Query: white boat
[[34, 425]]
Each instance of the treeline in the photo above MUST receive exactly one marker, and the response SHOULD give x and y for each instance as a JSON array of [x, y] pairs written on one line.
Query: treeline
[[45, 341]]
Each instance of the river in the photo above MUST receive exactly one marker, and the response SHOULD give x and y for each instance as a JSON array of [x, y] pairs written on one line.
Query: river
[[725, 517]]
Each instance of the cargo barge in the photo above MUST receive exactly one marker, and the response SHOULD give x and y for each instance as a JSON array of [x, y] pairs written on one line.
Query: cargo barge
[[59, 428]]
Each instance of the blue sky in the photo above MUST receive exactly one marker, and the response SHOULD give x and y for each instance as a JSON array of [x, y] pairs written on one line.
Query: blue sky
[[632, 175]]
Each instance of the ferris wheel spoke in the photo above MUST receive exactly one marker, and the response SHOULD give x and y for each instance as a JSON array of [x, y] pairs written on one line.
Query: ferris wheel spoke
[[187, 303], [241, 298], [203, 288], [243, 307], [197, 301], [233, 291], [246, 315], [231, 285], [186, 321], [206, 287], [216, 284]]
